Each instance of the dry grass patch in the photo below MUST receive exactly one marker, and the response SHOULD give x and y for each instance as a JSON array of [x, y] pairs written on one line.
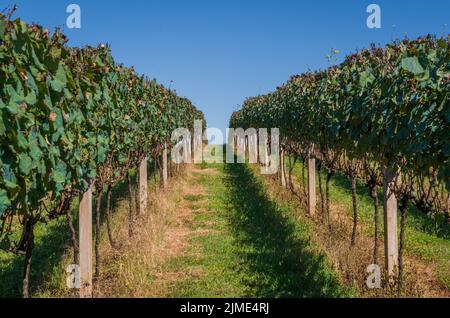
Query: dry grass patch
[[351, 261], [135, 267]]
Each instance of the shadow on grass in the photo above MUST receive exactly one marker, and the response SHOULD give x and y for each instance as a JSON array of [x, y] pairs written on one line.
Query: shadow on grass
[[47, 254], [275, 251], [52, 241]]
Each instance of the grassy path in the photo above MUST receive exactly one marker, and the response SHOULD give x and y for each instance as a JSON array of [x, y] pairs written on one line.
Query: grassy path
[[213, 233], [241, 244], [225, 231]]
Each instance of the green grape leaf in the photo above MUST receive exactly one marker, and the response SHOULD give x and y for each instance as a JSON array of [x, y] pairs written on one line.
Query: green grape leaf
[[412, 64], [2, 125], [60, 80], [31, 98], [5, 203], [25, 164], [366, 78], [446, 149], [58, 176], [2, 29]]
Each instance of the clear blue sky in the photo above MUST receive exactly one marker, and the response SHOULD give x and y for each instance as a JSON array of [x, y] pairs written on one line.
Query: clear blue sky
[[217, 53]]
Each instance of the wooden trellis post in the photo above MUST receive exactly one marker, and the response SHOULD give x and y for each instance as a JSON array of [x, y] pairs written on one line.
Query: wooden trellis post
[[246, 148], [187, 151], [85, 242], [266, 154], [283, 168], [164, 174], [189, 144], [198, 142], [390, 222], [198, 149], [143, 186], [254, 148], [311, 182]]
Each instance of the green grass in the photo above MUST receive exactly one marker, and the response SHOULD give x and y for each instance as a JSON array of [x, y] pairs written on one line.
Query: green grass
[[193, 198], [50, 246], [51, 254], [254, 247], [426, 238], [245, 244]]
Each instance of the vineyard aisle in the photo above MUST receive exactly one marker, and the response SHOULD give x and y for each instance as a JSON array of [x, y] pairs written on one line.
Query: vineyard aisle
[[225, 231], [225, 239]]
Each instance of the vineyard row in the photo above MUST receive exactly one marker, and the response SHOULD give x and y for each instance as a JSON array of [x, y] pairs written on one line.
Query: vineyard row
[[381, 117]]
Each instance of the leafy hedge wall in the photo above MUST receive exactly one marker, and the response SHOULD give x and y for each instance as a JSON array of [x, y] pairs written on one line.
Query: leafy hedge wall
[[390, 104], [66, 113]]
